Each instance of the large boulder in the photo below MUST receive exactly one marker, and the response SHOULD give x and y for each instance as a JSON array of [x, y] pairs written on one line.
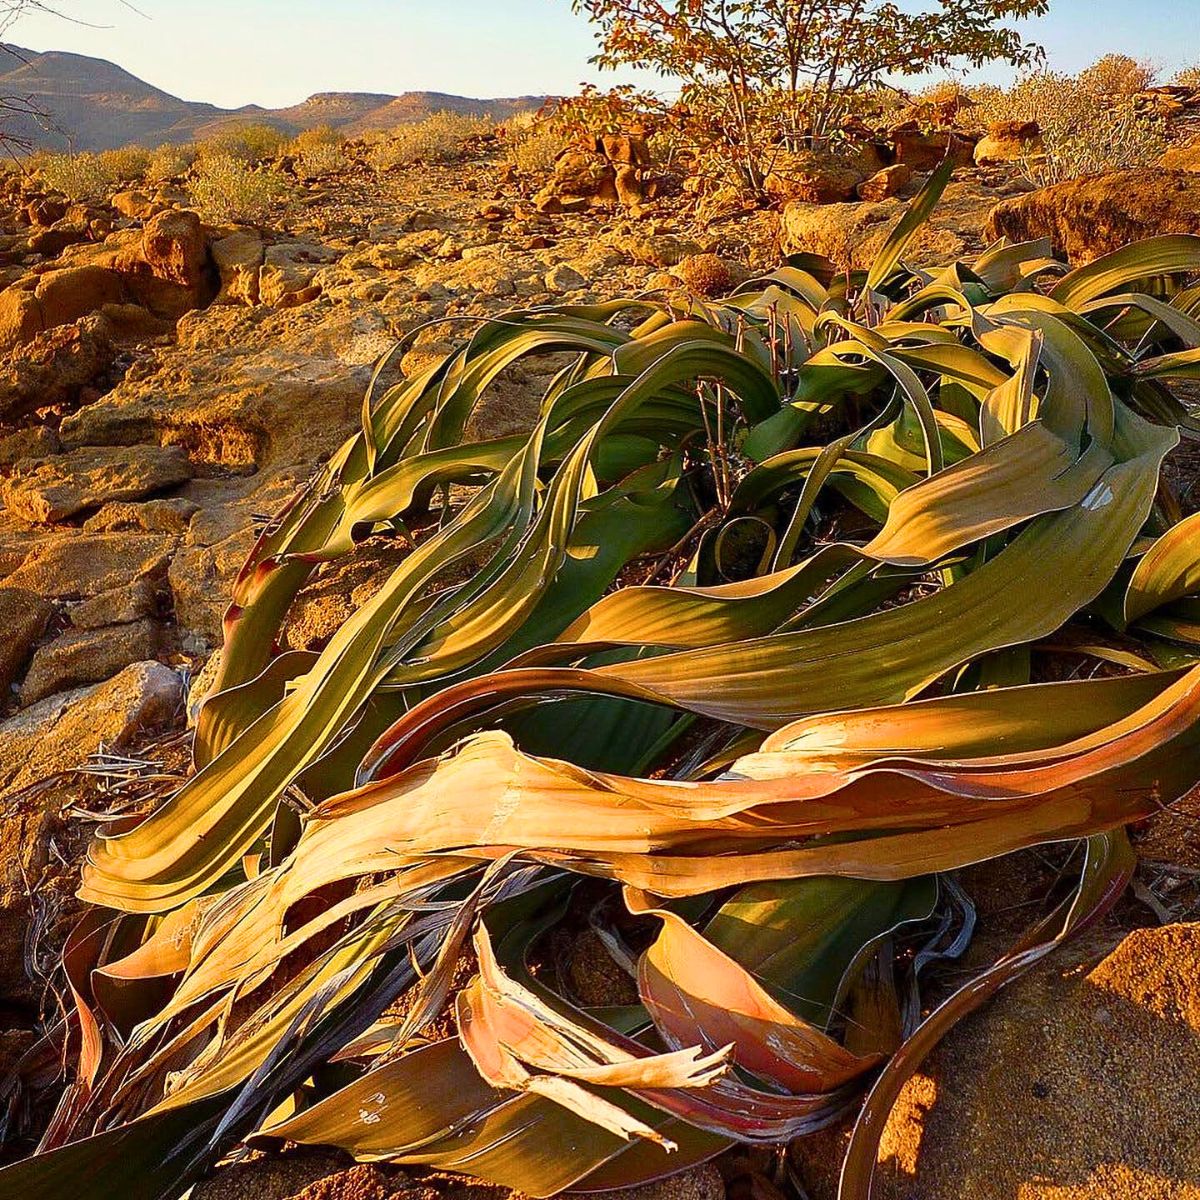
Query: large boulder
[[926, 149], [1078, 1082], [1008, 141], [581, 177], [812, 176], [853, 234], [1185, 157], [168, 269], [611, 169], [175, 248], [77, 566], [286, 277], [53, 241], [59, 297], [238, 257], [1087, 218], [44, 211], [21, 318], [165, 268], [54, 367], [244, 387], [885, 183], [81, 656], [135, 204], [23, 617], [55, 735], [74, 292]]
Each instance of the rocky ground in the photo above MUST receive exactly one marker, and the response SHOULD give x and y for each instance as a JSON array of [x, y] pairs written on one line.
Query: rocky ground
[[166, 385]]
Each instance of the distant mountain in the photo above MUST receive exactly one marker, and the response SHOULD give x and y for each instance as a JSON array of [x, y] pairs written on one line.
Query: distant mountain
[[92, 104]]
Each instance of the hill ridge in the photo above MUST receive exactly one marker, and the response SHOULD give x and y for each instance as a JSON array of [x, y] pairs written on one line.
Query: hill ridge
[[92, 103]]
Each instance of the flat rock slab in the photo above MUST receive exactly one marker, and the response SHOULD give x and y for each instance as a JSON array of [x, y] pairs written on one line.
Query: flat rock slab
[[47, 490], [80, 565], [81, 656], [60, 732]]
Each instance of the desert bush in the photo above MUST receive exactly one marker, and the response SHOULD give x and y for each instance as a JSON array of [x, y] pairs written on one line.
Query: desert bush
[[80, 176], [439, 138], [319, 151], [1118, 75], [1188, 77], [322, 159], [946, 102], [170, 161], [127, 164], [1084, 131], [533, 147], [230, 189], [629, 677], [251, 143]]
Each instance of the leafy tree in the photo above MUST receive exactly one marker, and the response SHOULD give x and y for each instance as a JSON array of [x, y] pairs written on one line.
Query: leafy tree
[[804, 60]]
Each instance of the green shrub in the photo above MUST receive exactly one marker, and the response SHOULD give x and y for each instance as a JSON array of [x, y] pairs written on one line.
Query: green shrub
[[126, 165], [533, 147], [1085, 131], [170, 161], [78, 176], [250, 143], [230, 189], [439, 138]]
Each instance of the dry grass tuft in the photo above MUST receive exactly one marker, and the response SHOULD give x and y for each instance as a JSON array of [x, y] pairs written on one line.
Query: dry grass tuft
[[319, 151], [533, 147]]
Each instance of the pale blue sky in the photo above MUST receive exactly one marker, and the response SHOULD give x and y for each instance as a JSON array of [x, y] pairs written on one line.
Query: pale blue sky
[[277, 52]]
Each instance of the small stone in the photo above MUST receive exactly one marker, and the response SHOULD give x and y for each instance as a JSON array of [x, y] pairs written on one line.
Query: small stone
[[201, 684], [118, 606], [658, 250], [886, 183], [150, 516], [925, 150], [174, 245], [1009, 141], [564, 278], [135, 204]]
